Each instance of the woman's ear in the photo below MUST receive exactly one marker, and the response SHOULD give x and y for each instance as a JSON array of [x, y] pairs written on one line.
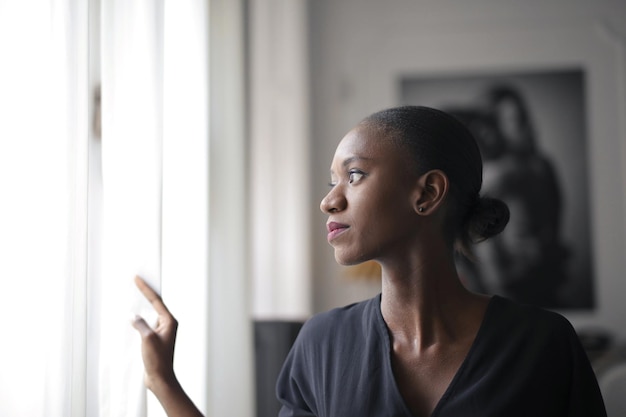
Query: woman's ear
[[433, 189]]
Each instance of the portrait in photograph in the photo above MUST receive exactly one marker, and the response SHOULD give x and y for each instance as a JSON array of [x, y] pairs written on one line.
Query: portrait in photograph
[[531, 130]]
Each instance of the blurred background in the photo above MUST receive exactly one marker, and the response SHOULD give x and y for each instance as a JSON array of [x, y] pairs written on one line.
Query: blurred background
[[190, 142]]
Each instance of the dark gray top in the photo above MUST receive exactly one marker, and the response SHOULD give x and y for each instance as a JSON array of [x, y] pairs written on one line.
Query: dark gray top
[[525, 361]]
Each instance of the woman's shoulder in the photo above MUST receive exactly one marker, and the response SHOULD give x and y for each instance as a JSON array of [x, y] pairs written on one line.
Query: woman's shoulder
[[525, 320], [515, 309], [525, 336]]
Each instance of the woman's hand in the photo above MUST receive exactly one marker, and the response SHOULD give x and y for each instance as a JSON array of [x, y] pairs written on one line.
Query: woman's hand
[[157, 345], [157, 349]]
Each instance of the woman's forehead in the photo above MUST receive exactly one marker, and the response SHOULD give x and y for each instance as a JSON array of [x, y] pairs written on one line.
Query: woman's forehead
[[367, 145], [365, 142]]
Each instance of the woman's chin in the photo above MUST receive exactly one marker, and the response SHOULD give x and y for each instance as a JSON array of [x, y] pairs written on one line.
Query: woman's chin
[[345, 259]]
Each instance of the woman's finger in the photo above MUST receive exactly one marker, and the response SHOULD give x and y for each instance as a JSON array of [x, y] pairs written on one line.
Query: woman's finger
[[141, 326], [152, 297]]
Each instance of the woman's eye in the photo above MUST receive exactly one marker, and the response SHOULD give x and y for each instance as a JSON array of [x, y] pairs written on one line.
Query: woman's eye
[[355, 176]]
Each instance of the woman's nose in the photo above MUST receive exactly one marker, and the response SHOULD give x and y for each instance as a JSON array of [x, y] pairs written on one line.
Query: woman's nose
[[334, 201]]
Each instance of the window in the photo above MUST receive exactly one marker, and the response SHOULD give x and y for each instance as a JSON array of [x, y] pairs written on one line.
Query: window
[[82, 213]]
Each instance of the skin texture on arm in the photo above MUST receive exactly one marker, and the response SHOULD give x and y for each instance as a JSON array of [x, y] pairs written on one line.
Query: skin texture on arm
[[157, 350]]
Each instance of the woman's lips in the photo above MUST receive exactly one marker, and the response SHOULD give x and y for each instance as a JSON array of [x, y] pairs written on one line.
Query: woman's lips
[[335, 229]]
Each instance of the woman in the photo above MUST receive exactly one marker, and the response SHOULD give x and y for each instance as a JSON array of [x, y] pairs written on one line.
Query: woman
[[404, 192]]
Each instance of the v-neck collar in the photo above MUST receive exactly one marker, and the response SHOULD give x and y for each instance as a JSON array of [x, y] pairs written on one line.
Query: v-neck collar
[[382, 327]]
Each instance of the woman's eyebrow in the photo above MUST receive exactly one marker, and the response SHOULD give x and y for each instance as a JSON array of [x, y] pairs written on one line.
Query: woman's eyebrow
[[352, 159]]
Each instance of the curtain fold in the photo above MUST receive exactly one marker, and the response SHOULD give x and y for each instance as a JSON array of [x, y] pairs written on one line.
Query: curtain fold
[[185, 224], [132, 131]]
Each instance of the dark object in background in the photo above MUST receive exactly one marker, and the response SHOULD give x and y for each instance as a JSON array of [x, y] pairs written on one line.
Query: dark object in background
[[272, 342]]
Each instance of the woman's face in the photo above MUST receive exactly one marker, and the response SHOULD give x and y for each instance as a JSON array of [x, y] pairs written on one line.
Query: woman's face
[[370, 205]]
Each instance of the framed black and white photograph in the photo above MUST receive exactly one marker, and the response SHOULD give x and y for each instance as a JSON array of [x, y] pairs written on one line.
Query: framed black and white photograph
[[532, 132]]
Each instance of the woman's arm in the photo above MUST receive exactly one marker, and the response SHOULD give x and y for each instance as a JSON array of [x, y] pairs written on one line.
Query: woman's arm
[[157, 349]]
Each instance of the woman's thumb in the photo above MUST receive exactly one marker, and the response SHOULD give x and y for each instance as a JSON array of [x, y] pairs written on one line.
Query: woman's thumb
[[142, 327]]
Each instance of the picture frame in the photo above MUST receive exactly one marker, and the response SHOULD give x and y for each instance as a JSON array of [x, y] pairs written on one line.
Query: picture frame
[[531, 130]]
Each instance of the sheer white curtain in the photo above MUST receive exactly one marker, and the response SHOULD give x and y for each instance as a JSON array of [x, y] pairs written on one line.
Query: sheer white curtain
[[43, 214], [81, 215]]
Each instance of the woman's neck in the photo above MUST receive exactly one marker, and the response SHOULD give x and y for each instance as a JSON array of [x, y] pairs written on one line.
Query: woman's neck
[[424, 303]]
